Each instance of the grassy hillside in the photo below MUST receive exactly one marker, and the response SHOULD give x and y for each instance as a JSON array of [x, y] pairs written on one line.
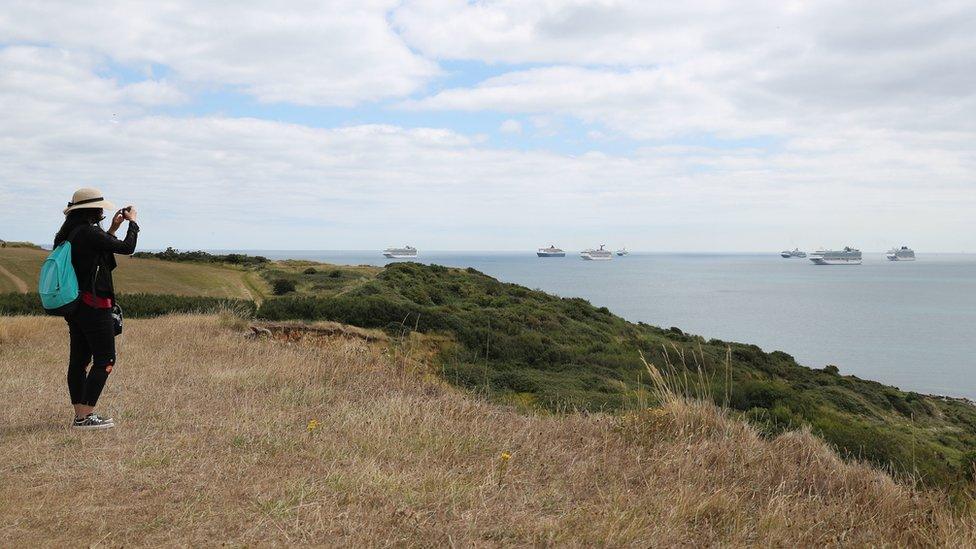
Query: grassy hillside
[[19, 268], [318, 279], [341, 443], [541, 351]]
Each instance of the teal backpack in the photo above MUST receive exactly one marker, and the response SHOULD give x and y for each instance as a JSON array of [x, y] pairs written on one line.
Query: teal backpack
[[58, 284]]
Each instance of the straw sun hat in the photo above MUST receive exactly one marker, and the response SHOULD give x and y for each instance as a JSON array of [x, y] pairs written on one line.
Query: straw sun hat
[[88, 198]]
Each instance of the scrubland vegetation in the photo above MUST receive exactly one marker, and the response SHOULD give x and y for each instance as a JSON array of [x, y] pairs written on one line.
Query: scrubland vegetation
[[543, 352], [316, 279], [172, 254], [547, 354], [137, 305], [348, 443]]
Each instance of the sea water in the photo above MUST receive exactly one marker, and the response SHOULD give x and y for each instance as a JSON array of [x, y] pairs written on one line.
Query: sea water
[[909, 324]]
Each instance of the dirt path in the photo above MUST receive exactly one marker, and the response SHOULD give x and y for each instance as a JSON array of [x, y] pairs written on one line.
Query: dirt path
[[250, 288], [20, 284]]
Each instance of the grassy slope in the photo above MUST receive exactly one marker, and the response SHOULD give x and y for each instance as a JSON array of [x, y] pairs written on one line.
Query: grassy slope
[[23, 265], [226, 456], [142, 275], [529, 347], [326, 280], [540, 351]]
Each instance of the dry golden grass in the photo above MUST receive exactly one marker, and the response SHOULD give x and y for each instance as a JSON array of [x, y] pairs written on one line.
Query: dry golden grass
[[20, 267], [335, 442]]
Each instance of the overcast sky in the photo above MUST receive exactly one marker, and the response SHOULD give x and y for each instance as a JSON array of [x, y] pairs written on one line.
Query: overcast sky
[[452, 124]]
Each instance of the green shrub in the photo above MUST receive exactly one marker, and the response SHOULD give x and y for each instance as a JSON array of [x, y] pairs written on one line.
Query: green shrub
[[8, 244], [364, 311], [760, 394], [310, 271], [13, 304], [283, 286], [172, 254], [137, 305], [150, 305], [846, 401]]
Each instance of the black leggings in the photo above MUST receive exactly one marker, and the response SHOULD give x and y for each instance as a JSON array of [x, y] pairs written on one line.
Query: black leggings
[[92, 342]]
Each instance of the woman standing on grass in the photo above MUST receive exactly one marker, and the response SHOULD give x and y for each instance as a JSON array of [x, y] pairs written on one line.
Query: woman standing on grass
[[91, 327]]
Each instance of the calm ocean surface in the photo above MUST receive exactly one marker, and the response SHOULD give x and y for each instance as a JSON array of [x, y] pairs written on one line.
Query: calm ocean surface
[[912, 325]]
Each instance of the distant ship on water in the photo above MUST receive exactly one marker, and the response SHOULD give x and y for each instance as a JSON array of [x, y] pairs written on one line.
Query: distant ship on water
[[794, 253], [901, 254], [622, 251], [597, 255], [551, 251], [405, 252], [847, 256]]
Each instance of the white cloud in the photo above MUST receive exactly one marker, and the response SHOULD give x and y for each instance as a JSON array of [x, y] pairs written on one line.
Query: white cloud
[[639, 33], [511, 126], [852, 101], [866, 115], [153, 93], [305, 52], [226, 182], [641, 103], [43, 90], [652, 69], [561, 31]]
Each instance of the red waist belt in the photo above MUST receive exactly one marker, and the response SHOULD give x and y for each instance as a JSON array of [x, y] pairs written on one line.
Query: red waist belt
[[97, 302]]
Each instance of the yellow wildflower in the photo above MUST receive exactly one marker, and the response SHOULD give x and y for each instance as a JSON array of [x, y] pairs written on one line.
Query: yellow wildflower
[[506, 456], [313, 424]]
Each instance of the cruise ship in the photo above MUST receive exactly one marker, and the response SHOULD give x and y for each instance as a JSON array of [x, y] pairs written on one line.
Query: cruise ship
[[551, 251], [405, 252], [596, 255], [901, 254], [795, 253], [847, 256], [622, 251]]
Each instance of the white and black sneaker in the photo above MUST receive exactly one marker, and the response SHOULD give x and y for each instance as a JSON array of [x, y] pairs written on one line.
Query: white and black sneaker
[[92, 422]]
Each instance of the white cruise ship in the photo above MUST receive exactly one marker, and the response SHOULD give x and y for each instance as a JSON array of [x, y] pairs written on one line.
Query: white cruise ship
[[551, 251], [597, 255], [622, 251], [901, 254], [794, 253], [847, 256], [406, 252]]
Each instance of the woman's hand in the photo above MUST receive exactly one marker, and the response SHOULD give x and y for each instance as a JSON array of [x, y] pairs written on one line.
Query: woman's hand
[[116, 223], [129, 213]]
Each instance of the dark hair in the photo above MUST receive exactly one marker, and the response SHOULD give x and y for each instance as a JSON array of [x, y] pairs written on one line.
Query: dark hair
[[81, 216]]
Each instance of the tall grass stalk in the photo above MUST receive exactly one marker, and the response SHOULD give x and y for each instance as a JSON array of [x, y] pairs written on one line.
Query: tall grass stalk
[[671, 382]]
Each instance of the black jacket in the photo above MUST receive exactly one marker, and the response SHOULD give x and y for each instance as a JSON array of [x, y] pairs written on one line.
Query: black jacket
[[93, 257]]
